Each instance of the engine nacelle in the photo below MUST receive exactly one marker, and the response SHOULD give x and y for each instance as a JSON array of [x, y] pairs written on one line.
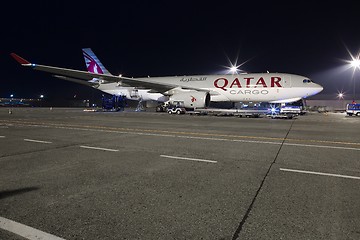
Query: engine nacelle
[[191, 99]]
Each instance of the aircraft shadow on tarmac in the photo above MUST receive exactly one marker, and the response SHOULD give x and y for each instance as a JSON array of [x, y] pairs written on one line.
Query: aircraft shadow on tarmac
[[9, 193]]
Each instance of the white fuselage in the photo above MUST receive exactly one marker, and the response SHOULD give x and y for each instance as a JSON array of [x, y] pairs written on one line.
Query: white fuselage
[[257, 87]]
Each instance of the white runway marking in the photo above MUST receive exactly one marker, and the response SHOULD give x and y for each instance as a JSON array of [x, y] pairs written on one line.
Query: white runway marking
[[230, 140], [319, 173], [2, 136], [189, 159], [196, 137], [26, 231], [321, 146], [37, 141], [211, 139], [98, 148]]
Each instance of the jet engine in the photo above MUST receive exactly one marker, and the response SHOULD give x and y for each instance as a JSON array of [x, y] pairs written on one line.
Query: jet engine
[[191, 99]]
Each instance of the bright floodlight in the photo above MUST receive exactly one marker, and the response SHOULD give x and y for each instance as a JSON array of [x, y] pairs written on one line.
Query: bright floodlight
[[233, 69], [355, 63], [41, 96]]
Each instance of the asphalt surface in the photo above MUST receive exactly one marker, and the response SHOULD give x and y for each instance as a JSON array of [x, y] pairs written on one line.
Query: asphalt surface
[[146, 175]]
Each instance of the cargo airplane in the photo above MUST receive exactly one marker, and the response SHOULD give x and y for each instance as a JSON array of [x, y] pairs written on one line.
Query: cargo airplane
[[189, 91]]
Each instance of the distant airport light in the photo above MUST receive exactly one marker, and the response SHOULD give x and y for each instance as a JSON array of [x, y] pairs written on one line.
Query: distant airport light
[[340, 95], [12, 95], [41, 96]]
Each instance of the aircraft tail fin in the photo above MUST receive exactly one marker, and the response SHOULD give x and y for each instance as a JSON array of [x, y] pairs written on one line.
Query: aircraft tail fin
[[93, 64]]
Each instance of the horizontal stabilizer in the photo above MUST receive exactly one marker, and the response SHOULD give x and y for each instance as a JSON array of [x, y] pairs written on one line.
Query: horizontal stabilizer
[[19, 59]]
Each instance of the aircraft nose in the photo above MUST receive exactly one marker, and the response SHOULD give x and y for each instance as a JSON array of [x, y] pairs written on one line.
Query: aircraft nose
[[315, 89], [319, 88]]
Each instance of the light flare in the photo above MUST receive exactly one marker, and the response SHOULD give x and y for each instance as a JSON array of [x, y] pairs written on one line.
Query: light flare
[[234, 68], [340, 95]]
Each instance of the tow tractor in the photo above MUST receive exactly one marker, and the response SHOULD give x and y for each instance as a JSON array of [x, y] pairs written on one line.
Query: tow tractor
[[171, 108], [176, 110]]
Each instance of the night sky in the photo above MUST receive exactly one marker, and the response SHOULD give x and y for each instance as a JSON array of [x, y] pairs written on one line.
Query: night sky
[[162, 38]]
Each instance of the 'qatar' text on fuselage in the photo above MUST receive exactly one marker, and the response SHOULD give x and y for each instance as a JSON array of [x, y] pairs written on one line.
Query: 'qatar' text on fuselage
[[247, 82]]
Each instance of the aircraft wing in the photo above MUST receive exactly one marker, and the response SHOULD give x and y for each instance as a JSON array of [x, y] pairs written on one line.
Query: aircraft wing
[[77, 76]]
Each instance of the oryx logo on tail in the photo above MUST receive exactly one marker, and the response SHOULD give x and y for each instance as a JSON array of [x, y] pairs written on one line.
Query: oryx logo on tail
[[93, 64]]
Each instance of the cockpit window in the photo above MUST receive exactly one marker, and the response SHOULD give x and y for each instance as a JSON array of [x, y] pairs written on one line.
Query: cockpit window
[[306, 81]]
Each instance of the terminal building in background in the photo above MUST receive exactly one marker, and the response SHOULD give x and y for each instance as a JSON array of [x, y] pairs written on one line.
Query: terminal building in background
[[43, 102]]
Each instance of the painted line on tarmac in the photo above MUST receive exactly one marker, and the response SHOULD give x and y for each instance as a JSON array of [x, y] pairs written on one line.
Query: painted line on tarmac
[[98, 148], [229, 140], [201, 136], [36, 141], [189, 159], [319, 173], [320, 146], [209, 138], [158, 131], [2, 136], [25, 231]]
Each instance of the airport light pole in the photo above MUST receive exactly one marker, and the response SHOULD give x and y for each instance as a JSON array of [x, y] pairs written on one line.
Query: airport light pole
[[340, 97], [355, 63], [41, 99]]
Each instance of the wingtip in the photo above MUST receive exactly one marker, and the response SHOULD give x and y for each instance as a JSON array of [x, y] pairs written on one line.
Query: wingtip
[[19, 59]]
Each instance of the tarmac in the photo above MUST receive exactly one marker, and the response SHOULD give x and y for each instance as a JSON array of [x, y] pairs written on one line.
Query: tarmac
[[70, 174]]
